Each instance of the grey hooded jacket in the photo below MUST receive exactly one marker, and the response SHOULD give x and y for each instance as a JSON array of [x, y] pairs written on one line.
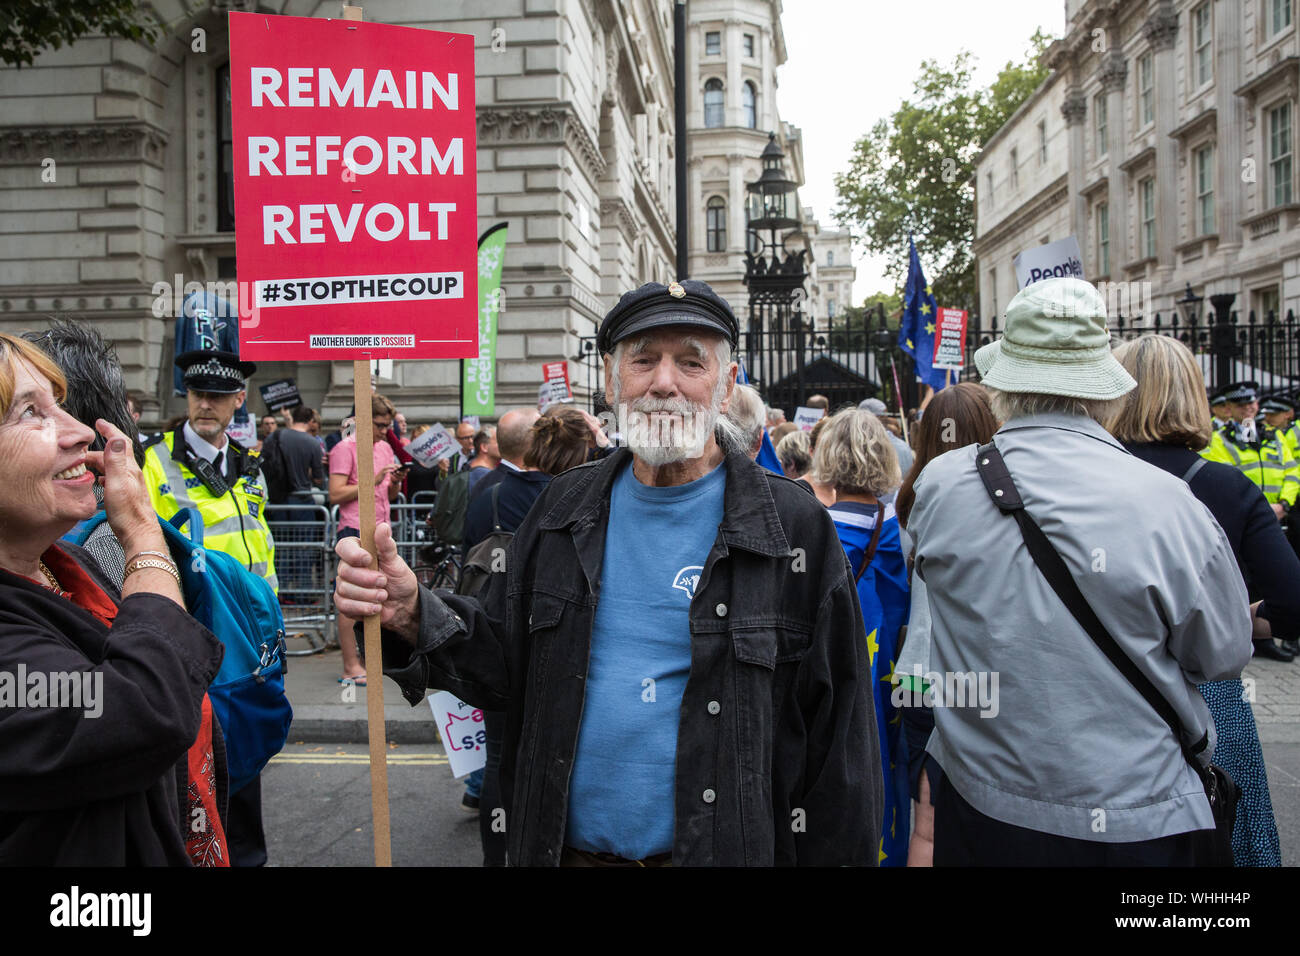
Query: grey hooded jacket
[[1066, 745]]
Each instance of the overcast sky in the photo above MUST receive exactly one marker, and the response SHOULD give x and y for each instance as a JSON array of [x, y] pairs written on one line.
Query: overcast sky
[[851, 62]]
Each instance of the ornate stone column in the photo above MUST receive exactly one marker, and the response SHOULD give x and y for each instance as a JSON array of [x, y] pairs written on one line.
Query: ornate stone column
[[736, 202], [1230, 116], [1114, 72], [1075, 110], [734, 52], [1161, 30]]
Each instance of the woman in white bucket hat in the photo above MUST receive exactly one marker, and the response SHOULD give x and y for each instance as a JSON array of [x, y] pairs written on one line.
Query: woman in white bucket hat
[[1050, 756]]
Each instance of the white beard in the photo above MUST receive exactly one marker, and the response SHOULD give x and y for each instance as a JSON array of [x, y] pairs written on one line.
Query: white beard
[[658, 439]]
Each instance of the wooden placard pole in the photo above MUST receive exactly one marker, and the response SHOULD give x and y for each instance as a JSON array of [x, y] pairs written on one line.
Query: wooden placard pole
[[374, 652]]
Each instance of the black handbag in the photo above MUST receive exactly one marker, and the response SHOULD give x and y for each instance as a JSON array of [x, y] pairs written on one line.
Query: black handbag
[[1221, 790]]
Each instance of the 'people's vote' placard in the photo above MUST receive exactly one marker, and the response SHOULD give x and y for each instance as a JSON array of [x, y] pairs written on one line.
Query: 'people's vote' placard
[[355, 215]]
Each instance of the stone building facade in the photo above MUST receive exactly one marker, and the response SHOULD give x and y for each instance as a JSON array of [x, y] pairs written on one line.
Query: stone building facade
[[1164, 140], [114, 176]]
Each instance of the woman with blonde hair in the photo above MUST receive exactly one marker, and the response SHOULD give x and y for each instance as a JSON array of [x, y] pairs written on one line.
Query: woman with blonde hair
[[856, 460], [1165, 422]]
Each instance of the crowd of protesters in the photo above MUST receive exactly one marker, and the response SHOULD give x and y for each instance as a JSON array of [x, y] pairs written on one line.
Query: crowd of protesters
[[1007, 630]]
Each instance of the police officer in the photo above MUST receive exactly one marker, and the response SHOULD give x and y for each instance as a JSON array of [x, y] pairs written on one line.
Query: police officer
[[198, 466], [1218, 409], [1279, 415], [1255, 449]]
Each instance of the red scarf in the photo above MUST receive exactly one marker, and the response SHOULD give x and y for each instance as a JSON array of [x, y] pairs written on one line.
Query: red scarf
[[205, 839]]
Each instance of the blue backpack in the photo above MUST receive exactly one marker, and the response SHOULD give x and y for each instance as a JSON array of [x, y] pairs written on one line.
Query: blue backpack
[[242, 610]]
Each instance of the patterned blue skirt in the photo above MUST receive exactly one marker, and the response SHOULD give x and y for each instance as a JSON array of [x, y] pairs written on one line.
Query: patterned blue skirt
[[1254, 837]]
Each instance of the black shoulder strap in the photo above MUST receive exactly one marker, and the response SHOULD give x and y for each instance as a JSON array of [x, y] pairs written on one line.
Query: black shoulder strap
[[496, 518], [1190, 473], [1002, 489], [873, 543]]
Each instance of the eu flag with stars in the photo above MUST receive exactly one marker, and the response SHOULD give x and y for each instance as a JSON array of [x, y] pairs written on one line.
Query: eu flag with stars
[[916, 330]]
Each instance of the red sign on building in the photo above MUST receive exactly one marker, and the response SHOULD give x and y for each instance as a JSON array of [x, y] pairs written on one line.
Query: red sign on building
[[356, 221]]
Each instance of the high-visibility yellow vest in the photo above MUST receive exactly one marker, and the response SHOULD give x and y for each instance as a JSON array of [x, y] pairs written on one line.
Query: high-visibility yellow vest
[[234, 522], [1291, 439], [1269, 463]]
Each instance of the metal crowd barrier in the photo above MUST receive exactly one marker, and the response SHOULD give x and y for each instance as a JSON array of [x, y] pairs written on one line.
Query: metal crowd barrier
[[411, 529], [304, 566]]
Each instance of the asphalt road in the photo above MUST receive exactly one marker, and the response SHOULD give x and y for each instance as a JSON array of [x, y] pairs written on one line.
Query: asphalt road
[[316, 808]]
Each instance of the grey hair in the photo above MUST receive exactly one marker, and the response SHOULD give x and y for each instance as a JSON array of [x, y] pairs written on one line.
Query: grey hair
[[94, 374], [1009, 405], [738, 431]]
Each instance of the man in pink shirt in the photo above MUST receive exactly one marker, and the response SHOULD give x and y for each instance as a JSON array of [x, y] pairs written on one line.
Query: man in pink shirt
[[344, 489]]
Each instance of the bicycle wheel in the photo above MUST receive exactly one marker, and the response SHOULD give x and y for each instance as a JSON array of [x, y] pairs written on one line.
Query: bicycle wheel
[[435, 577]]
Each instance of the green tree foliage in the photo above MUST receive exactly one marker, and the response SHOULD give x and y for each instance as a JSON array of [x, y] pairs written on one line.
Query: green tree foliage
[[29, 26], [913, 171]]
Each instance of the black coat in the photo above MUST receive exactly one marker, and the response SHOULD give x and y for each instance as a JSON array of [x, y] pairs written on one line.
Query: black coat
[[519, 489], [777, 716], [1268, 564], [77, 790]]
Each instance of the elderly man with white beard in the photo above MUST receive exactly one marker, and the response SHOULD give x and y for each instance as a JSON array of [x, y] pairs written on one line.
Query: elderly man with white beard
[[675, 635]]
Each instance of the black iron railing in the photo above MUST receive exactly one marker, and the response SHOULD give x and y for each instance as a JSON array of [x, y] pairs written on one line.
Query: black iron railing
[[862, 361]]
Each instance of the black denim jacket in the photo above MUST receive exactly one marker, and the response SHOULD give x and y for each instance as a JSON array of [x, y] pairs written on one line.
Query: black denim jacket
[[778, 757]]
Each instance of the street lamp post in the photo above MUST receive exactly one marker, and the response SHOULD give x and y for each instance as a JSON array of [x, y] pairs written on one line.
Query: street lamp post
[[774, 276]]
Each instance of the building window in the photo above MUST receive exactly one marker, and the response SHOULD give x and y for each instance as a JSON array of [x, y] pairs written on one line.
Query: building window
[[712, 43], [1279, 16], [830, 286], [716, 225], [1279, 153], [713, 104], [1015, 173], [749, 104], [830, 309], [1099, 111], [1147, 89], [989, 190], [1147, 197], [1042, 142], [749, 45], [993, 292], [1202, 45], [1268, 302], [830, 261], [1205, 191], [1103, 239]]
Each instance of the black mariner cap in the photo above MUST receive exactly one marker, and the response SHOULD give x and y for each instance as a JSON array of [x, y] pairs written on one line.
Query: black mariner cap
[[221, 373], [689, 302]]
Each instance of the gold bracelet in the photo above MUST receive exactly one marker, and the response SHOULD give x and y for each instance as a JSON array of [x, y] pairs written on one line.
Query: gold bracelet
[[138, 563]]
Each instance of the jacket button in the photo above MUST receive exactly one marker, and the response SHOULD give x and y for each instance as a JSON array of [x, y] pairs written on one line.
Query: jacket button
[[721, 610], [530, 620], [709, 796], [714, 707]]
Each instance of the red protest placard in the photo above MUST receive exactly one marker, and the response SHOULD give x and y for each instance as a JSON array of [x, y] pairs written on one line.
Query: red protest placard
[[356, 223], [949, 338]]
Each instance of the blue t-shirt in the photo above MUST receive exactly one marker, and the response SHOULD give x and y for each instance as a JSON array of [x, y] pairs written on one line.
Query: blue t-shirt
[[621, 792]]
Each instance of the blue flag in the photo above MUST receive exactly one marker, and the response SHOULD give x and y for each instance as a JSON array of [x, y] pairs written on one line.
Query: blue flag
[[916, 330], [766, 454]]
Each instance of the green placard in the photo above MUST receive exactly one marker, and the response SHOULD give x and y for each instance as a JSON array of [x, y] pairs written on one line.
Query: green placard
[[481, 373]]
